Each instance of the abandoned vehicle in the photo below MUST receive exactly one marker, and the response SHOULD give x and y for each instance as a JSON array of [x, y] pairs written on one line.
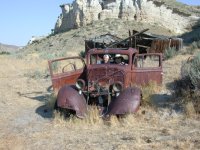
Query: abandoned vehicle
[[110, 86]]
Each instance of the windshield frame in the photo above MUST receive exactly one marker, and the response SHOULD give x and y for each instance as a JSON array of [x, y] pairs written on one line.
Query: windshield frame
[[128, 52]]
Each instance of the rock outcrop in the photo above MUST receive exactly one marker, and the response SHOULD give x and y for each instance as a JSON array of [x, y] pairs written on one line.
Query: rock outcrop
[[83, 12]]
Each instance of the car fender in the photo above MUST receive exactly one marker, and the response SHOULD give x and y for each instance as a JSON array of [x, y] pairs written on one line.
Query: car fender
[[127, 102], [69, 98]]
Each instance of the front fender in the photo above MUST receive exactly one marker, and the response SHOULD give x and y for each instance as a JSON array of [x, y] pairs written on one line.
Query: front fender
[[127, 102], [69, 98]]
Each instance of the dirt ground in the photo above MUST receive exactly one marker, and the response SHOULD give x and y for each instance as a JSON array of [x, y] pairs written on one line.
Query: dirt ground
[[27, 123]]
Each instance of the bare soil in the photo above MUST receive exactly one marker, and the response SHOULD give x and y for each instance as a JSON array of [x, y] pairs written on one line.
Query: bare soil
[[27, 123]]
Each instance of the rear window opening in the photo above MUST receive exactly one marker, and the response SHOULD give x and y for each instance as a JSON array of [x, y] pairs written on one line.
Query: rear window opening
[[147, 61]]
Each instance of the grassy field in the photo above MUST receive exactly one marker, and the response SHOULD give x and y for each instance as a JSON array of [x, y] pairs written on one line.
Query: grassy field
[[28, 123]]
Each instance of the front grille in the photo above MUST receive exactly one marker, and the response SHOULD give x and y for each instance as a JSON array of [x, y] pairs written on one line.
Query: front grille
[[105, 75]]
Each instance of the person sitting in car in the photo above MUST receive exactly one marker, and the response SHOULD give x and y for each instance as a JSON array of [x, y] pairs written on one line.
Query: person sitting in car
[[106, 59], [119, 59]]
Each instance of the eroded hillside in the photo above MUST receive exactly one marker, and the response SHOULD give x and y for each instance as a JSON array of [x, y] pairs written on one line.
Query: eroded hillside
[[73, 42]]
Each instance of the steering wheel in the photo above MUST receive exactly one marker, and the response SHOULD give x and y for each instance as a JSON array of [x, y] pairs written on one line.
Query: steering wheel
[[73, 67]]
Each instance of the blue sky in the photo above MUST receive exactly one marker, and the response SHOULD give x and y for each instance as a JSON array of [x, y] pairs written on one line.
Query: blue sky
[[22, 19], [190, 2]]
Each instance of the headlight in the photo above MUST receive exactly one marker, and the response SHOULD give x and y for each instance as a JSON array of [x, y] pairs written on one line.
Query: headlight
[[117, 86], [80, 84]]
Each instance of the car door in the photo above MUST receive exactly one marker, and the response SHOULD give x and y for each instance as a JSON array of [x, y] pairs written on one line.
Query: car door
[[66, 71], [147, 68]]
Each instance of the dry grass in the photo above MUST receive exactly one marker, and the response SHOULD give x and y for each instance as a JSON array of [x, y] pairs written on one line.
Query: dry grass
[[171, 68], [92, 118], [26, 117], [149, 90], [27, 123], [190, 110], [149, 130]]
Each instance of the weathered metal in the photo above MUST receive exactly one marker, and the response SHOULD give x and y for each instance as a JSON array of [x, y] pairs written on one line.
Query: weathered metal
[[127, 102], [130, 73], [69, 98], [108, 85], [61, 79]]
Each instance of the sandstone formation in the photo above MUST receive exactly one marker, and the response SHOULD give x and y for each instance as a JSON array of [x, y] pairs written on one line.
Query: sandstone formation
[[83, 12]]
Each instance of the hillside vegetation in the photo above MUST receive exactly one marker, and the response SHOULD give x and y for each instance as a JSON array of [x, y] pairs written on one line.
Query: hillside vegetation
[[179, 7], [4, 48], [72, 42]]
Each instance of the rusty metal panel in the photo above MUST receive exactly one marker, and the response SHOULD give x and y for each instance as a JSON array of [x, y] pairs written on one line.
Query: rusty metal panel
[[68, 77], [143, 77], [106, 75], [127, 102], [69, 98], [59, 81], [145, 73]]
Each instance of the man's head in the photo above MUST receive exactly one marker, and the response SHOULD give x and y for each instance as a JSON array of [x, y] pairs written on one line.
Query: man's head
[[118, 58], [106, 58]]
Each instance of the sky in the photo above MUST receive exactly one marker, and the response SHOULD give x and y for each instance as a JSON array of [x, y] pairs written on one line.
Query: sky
[[190, 2], [22, 19]]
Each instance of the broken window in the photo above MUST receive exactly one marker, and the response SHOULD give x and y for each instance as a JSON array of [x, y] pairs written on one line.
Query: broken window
[[147, 61]]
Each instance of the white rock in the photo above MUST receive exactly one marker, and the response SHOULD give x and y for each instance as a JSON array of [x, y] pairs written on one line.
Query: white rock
[[83, 12]]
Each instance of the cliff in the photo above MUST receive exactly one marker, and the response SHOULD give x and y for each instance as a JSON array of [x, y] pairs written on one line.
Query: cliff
[[84, 12]]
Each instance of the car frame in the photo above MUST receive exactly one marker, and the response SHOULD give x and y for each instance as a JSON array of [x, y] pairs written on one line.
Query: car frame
[[112, 87]]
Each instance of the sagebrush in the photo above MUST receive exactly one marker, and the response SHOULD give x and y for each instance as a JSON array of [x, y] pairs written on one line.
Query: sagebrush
[[188, 86], [170, 53]]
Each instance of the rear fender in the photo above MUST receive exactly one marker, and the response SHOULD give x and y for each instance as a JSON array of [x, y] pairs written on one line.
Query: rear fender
[[69, 98], [127, 102]]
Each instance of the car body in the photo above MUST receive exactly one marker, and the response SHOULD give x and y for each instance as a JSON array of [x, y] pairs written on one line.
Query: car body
[[112, 86]]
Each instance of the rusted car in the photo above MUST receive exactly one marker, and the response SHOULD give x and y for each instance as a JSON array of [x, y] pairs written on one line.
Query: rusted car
[[112, 86]]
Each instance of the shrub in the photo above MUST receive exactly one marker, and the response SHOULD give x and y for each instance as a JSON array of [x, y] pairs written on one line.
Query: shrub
[[188, 96], [191, 70], [198, 44], [188, 87], [170, 53], [183, 87], [4, 53], [190, 50], [51, 101], [193, 47], [82, 54]]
